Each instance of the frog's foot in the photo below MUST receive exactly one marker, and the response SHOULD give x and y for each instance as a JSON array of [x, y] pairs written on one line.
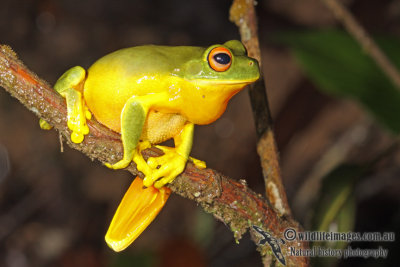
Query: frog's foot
[[44, 125], [165, 168], [198, 163], [77, 124], [88, 115]]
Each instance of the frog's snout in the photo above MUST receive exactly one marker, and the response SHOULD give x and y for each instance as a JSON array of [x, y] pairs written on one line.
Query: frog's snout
[[254, 69]]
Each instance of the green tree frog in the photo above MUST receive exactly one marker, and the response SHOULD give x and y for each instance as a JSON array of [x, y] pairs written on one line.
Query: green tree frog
[[150, 94]]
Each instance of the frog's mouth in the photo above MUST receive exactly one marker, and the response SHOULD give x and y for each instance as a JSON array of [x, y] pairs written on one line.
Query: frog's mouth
[[211, 82]]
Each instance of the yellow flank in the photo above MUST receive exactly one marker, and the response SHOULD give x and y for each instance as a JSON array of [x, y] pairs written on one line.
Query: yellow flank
[[150, 94], [113, 97]]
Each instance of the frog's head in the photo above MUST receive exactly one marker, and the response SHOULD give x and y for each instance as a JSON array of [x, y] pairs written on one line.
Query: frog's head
[[226, 64]]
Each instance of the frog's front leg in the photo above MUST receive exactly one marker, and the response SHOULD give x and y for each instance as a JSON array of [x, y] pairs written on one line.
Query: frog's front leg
[[133, 118], [70, 86]]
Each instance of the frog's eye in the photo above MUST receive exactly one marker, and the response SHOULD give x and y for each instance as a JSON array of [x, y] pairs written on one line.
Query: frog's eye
[[220, 59]]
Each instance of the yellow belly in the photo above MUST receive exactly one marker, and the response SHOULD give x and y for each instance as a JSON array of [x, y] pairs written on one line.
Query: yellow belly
[[160, 127]]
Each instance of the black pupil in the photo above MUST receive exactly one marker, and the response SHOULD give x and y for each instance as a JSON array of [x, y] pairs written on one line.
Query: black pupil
[[222, 58]]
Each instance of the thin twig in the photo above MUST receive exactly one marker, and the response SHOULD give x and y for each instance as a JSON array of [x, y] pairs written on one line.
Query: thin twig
[[243, 14], [366, 42], [229, 201]]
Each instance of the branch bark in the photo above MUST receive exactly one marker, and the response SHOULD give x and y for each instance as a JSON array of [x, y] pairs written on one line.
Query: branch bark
[[231, 202]]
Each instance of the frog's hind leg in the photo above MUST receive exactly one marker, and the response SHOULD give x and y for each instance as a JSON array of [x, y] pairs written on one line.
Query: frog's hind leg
[[70, 86], [173, 162], [137, 210]]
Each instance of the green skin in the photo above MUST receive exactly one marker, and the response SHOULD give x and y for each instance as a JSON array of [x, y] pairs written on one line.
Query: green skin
[[125, 88]]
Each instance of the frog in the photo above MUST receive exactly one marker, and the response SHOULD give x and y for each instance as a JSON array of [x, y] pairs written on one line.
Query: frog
[[150, 94]]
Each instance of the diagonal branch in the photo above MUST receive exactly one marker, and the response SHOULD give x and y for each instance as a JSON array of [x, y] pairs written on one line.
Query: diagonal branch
[[231, 202]]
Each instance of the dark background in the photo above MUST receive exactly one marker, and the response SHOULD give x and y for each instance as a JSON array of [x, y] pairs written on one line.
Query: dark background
[[55, 207]]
